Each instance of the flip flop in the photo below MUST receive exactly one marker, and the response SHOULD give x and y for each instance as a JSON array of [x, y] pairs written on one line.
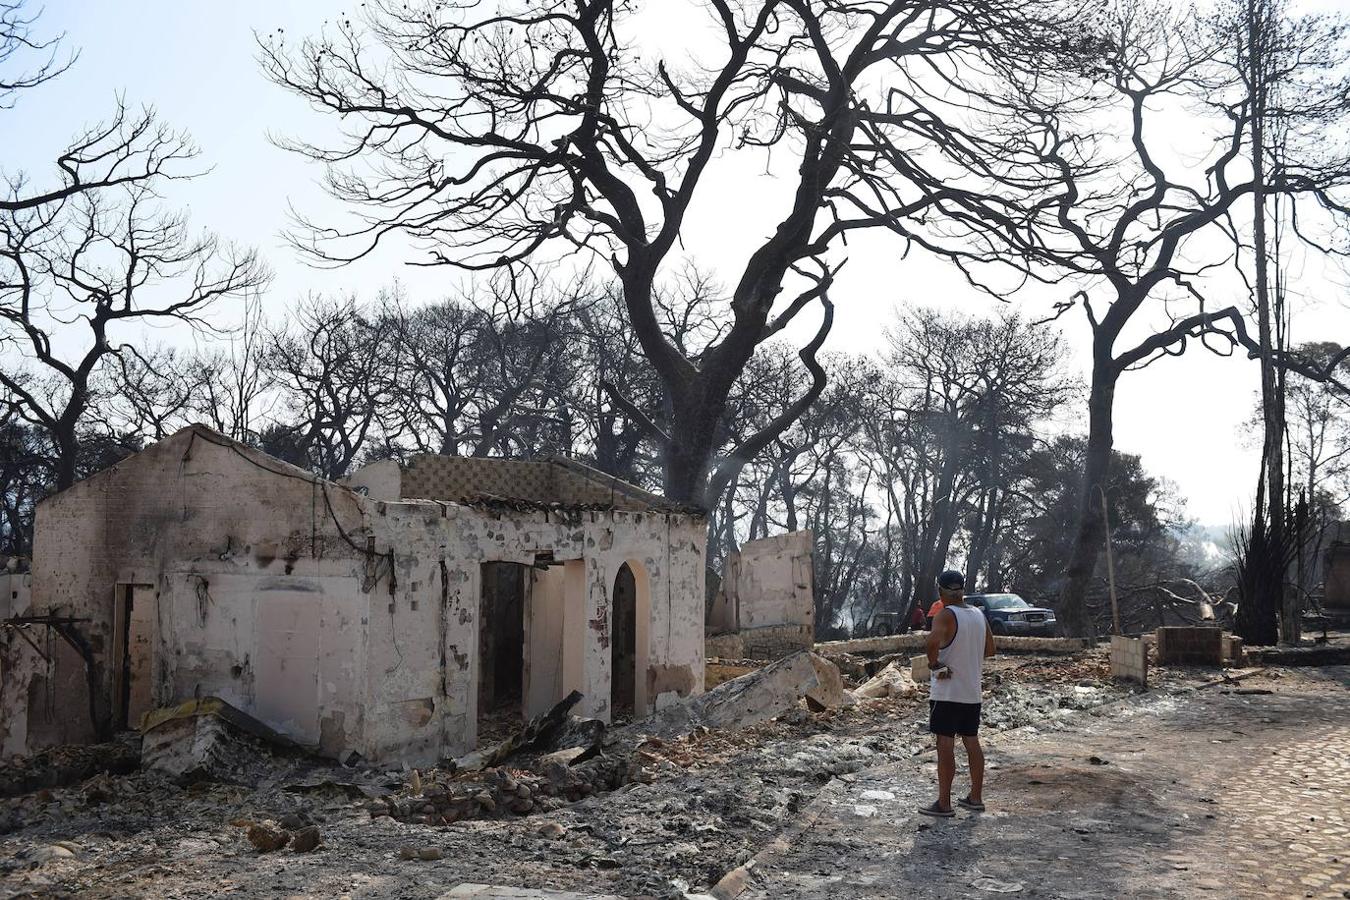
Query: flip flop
[[936, 811], [965, 803]]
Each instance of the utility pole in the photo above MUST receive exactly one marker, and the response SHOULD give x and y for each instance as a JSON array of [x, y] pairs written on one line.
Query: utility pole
[[1110, 566]]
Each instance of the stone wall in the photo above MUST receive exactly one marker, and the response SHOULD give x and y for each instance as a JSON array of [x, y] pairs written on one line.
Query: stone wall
[[725, 646], [776, 641], [917, 640], [1188, 645], [347, 623]]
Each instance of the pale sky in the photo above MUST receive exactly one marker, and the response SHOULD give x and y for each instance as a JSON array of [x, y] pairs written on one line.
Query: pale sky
[[195, 62]]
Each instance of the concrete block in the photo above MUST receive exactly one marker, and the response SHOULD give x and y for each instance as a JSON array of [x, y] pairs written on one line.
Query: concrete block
[[1129, 659], [918, 668], [891, 681], [725, 646], [829, 692], [206, 738], [758, 696]]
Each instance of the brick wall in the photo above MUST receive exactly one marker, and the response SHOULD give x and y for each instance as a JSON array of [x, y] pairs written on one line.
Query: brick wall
[[1338, 574], [1129, 659], [1190, 646], [776, 641], [724, 646]]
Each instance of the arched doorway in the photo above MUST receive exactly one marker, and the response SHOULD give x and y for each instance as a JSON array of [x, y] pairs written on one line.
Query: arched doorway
[[623, 646]]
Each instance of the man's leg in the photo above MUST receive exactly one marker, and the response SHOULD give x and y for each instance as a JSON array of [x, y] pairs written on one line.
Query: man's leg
[[946, 759], [975, 756]]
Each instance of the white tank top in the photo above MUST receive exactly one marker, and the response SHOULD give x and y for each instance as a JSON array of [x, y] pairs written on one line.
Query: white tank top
[[965, 655]]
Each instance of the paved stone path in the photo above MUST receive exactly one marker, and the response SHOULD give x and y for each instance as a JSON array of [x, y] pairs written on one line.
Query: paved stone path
[[1224, 792]]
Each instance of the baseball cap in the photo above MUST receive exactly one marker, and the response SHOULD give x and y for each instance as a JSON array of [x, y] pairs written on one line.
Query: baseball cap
[[951, 579]]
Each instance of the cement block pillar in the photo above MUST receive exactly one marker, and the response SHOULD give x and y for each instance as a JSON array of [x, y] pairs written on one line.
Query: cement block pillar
[[461, 586], [1129, 659], [595, 673], [918, 668]]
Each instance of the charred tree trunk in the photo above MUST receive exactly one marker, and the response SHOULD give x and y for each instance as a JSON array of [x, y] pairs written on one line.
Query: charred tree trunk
[[982, 539], [789, 494], [1260, 27], [937, 536], [1260, 561], [65, 466], [1090, 534]]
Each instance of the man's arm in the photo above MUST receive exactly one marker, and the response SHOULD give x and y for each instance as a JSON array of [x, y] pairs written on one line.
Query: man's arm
[[988, 640], [944, 627]]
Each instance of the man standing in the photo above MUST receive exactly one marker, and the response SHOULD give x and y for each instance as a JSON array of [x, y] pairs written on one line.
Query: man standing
[[957, 646], [934, 610]]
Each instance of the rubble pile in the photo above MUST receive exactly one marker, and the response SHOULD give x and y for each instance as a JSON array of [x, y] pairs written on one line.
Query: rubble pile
[[852, 667], [892, 681], [660, 807], [296, 830], [443, 798], [1011, 702], [579, 759], [60, 766], [1065, 670], [823, 757]]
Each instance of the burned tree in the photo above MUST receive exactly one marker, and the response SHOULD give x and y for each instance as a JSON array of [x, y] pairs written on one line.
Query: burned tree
[[971, 389], [40, 57], [88, 254], [501, 134], [74, 276], [1290, 75], [231, 385], [1123, 222], [485, 373], [128, 148], [333, 374], [23, 477]]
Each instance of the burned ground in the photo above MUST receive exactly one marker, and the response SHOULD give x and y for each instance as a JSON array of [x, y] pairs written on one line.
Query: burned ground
[[697, 807]]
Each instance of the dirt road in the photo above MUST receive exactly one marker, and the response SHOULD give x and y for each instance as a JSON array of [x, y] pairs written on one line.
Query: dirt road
[[1240, 791]]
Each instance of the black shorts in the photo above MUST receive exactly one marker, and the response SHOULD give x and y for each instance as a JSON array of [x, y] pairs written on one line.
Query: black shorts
[[949, 718]]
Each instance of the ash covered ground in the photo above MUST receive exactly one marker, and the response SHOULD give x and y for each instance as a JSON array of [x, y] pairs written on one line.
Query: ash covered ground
[[655, 817]]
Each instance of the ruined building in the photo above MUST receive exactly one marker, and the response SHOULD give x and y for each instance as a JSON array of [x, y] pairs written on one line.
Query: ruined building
[[765, 606], [1337, 569], [387, 617]]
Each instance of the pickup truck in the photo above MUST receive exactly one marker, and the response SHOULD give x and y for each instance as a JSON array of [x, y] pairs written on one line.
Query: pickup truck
[[1010, 614]]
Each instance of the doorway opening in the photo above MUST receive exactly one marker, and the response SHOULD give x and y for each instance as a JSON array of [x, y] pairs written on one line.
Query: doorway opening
[[134, 614], [501, 649], [623, 646]]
